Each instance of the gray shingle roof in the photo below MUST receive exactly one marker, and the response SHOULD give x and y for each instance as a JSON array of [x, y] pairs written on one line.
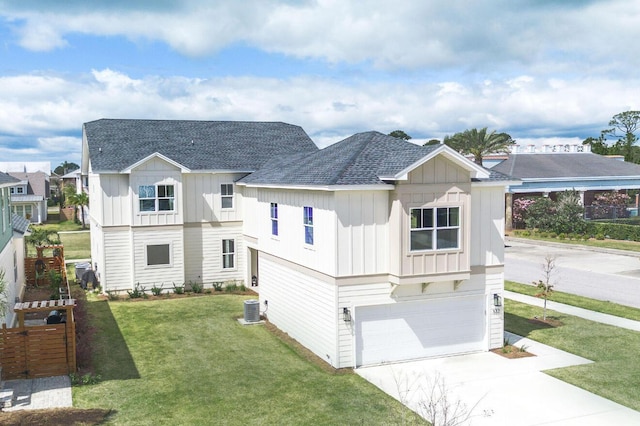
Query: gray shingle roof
[[116, 144], [37, 182], [583, 165], [360, 159], [19, 223], [6, 179]]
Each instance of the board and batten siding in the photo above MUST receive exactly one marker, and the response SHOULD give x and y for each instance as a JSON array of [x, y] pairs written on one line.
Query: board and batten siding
[[437, 183], [202, 198], [149, 276], [301, 305], [118, 260], [110, 199], [362, 232], [487, 226], [290, 242], [156, 172], [203, 253]]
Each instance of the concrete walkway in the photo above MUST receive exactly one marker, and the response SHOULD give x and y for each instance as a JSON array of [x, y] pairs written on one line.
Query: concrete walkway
[[35, 394], [575, 311]]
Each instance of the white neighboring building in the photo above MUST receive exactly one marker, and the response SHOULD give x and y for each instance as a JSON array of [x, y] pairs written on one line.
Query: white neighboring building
[[371, 250]]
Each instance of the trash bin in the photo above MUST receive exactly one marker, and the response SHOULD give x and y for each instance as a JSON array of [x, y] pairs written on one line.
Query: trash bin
[[81, 268]]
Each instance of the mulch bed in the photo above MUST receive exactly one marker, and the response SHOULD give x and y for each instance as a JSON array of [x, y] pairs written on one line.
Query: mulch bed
[[511, 352], [55, 417], [548, 322]]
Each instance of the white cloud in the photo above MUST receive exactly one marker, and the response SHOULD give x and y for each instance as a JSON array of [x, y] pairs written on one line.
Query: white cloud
[[475, 36]]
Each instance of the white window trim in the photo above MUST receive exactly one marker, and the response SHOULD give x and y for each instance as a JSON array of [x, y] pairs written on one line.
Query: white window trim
[[305, 225], [157, 199], [232, 254], [275, 219], [435, 229], [232, 196]]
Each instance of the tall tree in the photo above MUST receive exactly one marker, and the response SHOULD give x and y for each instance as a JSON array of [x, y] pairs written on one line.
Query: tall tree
[[432, 142], [400, 135], [479, 143], [65, 168], [623, 127]]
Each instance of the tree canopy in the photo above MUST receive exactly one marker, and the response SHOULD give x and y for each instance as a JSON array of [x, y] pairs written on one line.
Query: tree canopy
[[479, 143], [65, 168], [623, 127], [400, 135]]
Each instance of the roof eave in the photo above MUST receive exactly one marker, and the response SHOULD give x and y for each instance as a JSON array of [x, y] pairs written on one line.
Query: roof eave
[[475, 170]]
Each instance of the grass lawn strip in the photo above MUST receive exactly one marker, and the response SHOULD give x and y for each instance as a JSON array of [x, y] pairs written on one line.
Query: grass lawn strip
[[578, 301], [188, 361], [609, 244], [615, 373]]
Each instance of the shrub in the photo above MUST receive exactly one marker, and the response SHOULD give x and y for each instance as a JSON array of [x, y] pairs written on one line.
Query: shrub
[[157, 291], [195, 286], [84, 331], [113, 295], [230, 286], [217, 285], [178, 289], [600, 236], [137, 292], [553, 235], [562, 236]]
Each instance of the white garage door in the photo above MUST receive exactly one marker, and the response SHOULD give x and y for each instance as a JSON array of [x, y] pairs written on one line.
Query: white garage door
[[410, 330]]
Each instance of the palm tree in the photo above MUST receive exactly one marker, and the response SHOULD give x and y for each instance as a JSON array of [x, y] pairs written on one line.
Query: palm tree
[[82, 200], [77, 200], [479, 143]]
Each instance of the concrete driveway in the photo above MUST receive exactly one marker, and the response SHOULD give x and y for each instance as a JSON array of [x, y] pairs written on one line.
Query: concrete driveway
[[501, 391], [600, 274]]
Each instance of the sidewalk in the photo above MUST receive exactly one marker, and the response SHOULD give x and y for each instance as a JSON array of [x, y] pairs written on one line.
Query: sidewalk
[[575, 311]]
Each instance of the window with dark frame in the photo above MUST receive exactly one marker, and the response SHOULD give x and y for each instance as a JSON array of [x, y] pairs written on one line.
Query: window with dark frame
[[435, 228], [226, 192], [274, 219], [308, 225], [228, 254], [158, 254]]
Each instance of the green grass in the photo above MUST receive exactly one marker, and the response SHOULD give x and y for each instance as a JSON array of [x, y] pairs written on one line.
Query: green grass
[[188, 361], [616, 372], [582, 302], [610, 244], [76, 245]]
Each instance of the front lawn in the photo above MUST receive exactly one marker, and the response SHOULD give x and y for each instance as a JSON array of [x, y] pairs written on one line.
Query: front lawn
[[188, 361], [616, 372], [580, 301]]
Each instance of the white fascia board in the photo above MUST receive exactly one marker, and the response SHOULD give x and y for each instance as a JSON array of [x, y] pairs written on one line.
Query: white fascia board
[[331, 188], [182, 168], [505, 183], [475, 170], [583, 178], [581, 188]]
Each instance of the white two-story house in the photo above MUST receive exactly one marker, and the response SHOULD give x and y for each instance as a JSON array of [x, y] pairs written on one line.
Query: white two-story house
[[371, 250]]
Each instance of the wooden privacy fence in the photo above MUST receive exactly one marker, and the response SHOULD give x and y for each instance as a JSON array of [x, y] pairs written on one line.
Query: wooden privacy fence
[[27, 352], [36, 268]]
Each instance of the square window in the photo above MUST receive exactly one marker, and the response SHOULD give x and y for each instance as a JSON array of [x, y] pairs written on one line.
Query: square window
[[158, 255], [443, 235]]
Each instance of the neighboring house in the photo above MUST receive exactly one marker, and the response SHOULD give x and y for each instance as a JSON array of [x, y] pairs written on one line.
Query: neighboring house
[[12, 230], [371, 250], [29, 197], [545, 174]]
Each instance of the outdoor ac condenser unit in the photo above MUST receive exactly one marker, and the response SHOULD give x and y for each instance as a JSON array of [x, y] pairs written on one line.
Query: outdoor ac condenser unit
[[251, 310]]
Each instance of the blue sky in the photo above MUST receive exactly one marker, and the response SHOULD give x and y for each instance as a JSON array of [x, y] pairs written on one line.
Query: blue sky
[[538, 70]]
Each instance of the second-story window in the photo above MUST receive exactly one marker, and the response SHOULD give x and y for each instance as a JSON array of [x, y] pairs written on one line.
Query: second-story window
[[274, 219], [435, 228], [308, 225], [226, 191], [156, 198]]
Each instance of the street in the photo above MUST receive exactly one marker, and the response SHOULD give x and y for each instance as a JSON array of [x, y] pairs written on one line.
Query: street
[[594, 274]]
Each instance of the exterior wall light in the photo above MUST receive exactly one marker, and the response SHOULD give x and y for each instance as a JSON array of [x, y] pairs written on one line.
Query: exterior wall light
[[346, 315], [497, 300]]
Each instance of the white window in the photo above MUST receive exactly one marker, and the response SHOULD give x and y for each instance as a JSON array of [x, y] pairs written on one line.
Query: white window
[[158, 254], [19, 190], [308, 225], [274, 219], [435, 228], [154, 198], [228, 254], [226, 191]]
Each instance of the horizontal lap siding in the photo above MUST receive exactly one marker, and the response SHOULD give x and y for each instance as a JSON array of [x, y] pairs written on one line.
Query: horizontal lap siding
[[203, 254], [495, 285], [348, 297], [116, 274], [301, 306], [149, 276]]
